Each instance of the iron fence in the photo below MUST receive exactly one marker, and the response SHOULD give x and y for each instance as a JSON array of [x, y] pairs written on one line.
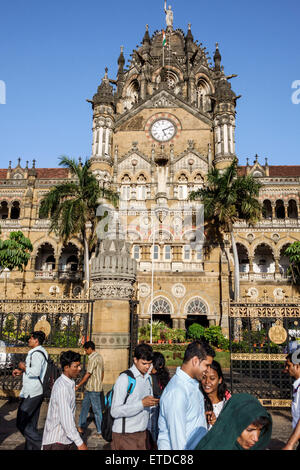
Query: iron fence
[[259, 343], [66, 323]]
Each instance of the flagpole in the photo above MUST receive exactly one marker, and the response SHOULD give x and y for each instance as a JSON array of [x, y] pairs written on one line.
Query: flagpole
[[152, 280]]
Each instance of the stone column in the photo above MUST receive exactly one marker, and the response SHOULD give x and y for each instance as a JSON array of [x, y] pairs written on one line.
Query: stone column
[[113, 273]]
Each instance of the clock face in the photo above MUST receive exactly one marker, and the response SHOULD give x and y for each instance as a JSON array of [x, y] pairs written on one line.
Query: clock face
[[163, 130]]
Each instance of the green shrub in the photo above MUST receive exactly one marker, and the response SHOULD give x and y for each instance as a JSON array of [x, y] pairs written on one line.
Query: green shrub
[[196, 331]]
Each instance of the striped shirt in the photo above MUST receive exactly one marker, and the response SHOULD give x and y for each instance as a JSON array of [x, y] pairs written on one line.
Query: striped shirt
[[60, 424], [95, 368]]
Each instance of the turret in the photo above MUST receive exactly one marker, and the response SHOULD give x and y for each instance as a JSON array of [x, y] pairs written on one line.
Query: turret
[[103, 124]]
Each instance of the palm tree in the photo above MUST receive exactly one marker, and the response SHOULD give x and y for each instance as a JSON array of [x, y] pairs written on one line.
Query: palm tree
[[228, 198], [72, 207]]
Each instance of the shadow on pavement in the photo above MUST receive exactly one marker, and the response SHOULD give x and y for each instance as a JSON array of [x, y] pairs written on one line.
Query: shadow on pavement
[[7, 423]]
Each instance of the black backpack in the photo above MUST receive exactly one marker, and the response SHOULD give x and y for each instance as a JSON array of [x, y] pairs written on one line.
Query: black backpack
[[107, 419], [52, 373]]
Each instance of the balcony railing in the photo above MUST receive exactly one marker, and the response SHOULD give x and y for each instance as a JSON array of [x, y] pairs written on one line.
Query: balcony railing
[[45, 274], [8, 223], [70, 275], [173, 266], [61, 275], [264, 276], [272, 223]]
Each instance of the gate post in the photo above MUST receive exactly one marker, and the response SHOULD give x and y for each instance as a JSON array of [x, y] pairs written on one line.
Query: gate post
[[113, 273]]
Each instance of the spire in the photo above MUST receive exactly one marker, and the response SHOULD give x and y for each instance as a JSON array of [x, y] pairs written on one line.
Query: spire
[[104, 94], [189, 39], [189, 35], [146, 38], [217, 59]]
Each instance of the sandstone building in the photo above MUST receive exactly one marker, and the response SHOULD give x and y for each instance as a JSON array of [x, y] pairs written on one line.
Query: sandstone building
[[158, 127]]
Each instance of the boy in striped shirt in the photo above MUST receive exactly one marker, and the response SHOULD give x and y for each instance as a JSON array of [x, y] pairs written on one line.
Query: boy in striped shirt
[[60, 432]]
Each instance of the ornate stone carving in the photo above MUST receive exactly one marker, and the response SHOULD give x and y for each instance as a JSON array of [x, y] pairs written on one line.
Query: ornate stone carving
[[178, 290], [103, 290], [144, 290], [111, 340], [113, 271]]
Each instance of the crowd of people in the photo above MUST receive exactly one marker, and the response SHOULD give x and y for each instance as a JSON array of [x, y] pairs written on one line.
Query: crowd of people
[[193, 410]]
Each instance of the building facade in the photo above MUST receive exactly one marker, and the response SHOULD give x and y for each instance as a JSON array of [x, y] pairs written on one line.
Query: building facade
[[158, 128]]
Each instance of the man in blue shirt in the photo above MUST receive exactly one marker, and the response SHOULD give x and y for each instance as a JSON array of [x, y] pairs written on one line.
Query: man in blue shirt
[[182, 419], [33, 371]]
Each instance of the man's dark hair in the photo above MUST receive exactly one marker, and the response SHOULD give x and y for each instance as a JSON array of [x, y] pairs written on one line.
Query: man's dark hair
[[143, 351], [39, 335], [199, 349], [67, 357], [89, 344]]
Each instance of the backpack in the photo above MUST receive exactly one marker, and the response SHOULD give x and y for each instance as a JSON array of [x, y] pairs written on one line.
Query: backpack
[[52, 373], [107, 419]]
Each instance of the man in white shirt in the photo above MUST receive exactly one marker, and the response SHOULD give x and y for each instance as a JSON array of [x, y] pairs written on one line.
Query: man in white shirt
[[292, 366], [33, 371], [129, 431], [60, 432]]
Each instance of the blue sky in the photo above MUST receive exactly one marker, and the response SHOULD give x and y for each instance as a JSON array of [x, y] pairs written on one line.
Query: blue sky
[[53, 55]]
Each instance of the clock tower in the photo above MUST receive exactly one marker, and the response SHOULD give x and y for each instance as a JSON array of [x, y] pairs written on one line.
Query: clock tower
[[166, 119]]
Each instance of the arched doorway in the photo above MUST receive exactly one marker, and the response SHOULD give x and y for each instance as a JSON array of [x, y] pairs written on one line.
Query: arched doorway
[[196, 312], [161, 311]]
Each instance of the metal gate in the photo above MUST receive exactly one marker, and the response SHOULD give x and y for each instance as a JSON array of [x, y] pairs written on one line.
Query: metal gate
[[66, 322], [259, 343]]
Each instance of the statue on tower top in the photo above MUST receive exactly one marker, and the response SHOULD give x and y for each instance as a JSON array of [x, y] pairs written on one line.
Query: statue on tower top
[[169, 15]]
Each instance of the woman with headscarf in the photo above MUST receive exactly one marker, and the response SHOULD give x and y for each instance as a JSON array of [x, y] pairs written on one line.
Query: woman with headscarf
[[243, 424]]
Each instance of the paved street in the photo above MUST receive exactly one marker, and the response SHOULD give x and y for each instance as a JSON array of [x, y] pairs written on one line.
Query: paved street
[[11, 439]]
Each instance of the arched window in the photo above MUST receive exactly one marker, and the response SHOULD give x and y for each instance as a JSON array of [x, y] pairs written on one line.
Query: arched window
[[161, 306], [126, 189], [196, 307], [182, 187], [15, 210], [141, 188], [203, 99], [243, 258], [3, 210], [280, 211], [284, 261], [267, 209], [292, 209], [263, 259], [132, 94], [45, 260]]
